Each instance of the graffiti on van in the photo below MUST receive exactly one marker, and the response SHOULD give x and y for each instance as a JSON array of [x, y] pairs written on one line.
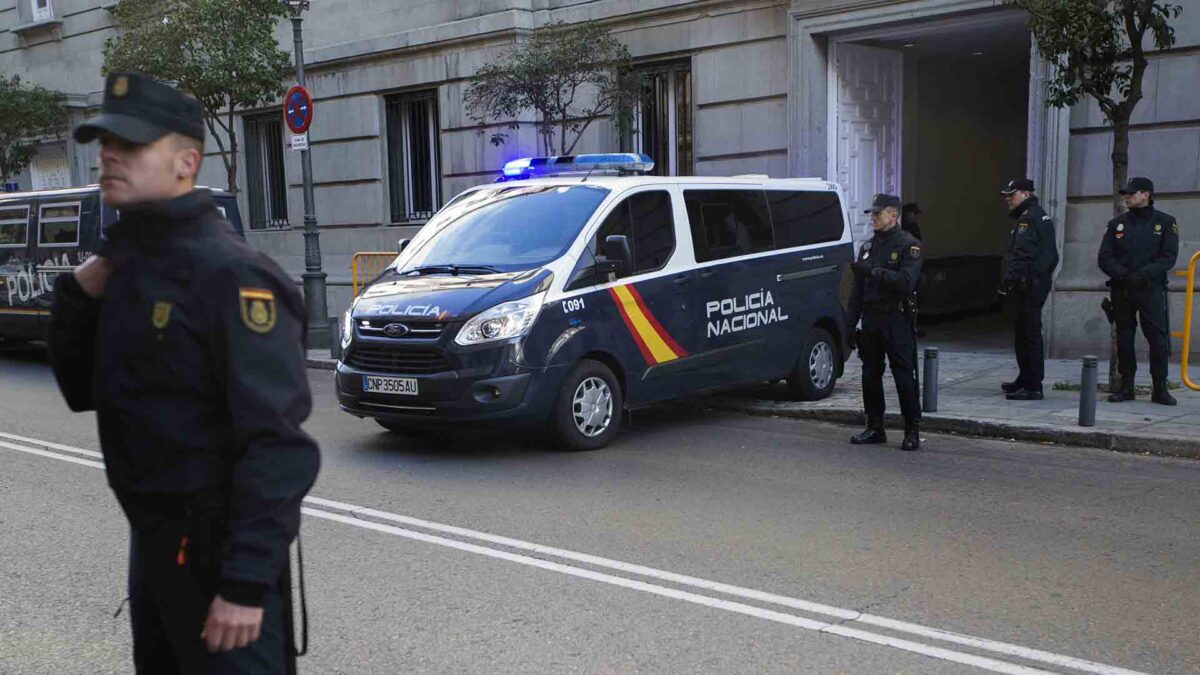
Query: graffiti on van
[[22, 282]]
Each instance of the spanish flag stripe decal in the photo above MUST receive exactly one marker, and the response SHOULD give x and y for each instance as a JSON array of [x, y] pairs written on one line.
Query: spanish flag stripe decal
[[637, 339], [679, 351], [256, 294], [645, 330]]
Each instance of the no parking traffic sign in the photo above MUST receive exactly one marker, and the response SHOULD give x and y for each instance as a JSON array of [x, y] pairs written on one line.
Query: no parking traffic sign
[[298, 109]]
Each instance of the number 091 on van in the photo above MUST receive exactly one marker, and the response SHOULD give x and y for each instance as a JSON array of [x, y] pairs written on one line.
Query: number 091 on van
[[563, 302]]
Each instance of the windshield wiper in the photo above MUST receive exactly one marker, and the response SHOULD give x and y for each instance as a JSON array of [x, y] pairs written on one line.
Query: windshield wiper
[[456, 269]]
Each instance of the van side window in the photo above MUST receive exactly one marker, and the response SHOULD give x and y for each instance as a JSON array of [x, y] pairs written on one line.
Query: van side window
[[14, 226], [59, 224], [803, 218], [728, 223]]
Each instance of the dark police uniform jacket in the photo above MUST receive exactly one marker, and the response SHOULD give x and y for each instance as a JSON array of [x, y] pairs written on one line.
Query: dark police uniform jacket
[[194, 363], [1141, 241], [1033, 253], [895, 260]]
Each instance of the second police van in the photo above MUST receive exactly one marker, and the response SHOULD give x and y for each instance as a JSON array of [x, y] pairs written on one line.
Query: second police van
[[576, 288]]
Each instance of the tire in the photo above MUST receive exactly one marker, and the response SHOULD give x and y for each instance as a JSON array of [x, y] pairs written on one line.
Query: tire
[[587, 413], [816, 370]]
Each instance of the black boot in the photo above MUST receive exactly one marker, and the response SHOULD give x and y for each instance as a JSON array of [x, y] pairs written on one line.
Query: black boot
[[912, 436], [871, 436], [1125, 393], [1010, 387], [1161, 395]]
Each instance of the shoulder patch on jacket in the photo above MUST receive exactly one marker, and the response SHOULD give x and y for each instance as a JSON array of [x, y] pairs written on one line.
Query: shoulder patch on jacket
[[914, 251], [1174, 228], [1022, 226], [258, 309]]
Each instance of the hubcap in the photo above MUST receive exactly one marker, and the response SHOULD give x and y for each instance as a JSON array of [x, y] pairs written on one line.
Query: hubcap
[[820, 365], [592, 407]]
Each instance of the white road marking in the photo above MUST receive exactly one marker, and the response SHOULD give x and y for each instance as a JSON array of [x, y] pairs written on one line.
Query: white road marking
[[353, 515]]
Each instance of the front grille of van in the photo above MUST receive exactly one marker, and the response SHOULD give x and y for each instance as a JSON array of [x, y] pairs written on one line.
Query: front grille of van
[[392, 359], [414, 329]]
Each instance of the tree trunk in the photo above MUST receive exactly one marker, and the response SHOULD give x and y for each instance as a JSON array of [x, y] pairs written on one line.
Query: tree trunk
[[231, 166], [1120, 173]]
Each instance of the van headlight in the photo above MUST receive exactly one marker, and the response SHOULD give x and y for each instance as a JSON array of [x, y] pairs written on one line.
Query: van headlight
[[502, 322], [347, 327]]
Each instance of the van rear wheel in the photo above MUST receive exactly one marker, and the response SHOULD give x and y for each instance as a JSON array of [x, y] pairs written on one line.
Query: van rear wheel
[[587, 413], [816, 371]]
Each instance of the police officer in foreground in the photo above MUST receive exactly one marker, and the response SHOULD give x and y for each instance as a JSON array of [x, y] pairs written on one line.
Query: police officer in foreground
[[1137, 253], [188, 344], [1033, 255], [885, 275]]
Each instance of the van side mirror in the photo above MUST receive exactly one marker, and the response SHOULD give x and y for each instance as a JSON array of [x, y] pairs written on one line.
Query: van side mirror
[[402, 244], [618, 257]]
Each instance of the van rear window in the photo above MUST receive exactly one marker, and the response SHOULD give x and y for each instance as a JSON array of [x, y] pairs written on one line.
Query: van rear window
[[803, 218], [59, 224], [14, 226]]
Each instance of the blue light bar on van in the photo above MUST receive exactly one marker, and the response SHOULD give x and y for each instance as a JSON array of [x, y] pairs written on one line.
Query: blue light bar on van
[[618, 162]]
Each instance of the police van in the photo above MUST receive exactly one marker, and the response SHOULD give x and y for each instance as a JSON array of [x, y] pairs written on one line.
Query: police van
[[576, 288], [49, 232]]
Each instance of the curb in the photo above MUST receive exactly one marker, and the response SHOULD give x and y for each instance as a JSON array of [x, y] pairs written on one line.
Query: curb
[[1165, 446], [321, 364]]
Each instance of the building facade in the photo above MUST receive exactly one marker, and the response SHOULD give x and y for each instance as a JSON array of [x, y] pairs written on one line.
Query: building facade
[[940, 101]]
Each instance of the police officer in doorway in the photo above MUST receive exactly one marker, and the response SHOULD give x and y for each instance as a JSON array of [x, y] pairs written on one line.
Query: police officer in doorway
[[885, 275], [1138, 251], [1033, 255], [910, 220], [188, 344]]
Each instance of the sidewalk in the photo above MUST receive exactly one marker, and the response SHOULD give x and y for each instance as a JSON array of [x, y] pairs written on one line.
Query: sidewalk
[[970, 403]]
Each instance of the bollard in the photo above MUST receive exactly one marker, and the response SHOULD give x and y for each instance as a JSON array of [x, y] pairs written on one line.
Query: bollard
[[930, 394], [335, 342], [1087, 392]]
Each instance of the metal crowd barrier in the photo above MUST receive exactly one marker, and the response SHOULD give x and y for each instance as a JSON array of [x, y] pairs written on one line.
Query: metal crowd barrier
[[367, 265], [1186, 333]]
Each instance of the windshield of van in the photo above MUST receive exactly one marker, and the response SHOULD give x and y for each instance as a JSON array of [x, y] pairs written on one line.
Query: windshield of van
[[506, 228]]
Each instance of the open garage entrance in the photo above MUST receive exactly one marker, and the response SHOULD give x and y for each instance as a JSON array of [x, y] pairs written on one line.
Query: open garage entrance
[[938, 112]]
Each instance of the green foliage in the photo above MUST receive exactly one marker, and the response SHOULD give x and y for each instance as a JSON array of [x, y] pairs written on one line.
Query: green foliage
[[571, 75], [27, 113], [1099, 48], [223, 52]]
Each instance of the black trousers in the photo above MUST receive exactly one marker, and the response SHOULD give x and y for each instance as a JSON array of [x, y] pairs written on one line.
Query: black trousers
[[1150, 308], [169, 598], [1027, 337], [888, 334]]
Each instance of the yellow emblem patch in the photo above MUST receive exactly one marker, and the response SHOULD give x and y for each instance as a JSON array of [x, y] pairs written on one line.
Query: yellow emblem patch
[[895, 255], [161, 315], [1158, 228], [258, 309], [120, 87], [914, 251], [1021, 227]]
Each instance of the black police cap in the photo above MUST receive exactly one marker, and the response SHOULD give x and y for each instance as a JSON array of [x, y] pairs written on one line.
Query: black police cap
[[1136, 185], [882, 202], [1018, 185], [141, 110]]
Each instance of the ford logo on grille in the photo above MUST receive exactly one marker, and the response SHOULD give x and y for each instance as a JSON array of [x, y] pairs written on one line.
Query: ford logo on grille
[[395, 330]]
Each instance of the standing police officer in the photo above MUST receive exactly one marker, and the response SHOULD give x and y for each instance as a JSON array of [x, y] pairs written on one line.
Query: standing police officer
[[1033, 255], [1138, 251], [885, 275], [188, 344]]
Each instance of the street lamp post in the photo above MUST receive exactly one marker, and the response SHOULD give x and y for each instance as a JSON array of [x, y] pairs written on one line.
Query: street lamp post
[[315, 299]]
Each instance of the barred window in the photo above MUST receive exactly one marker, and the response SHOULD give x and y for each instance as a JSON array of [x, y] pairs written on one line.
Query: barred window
[[265, 178], [414, 166]]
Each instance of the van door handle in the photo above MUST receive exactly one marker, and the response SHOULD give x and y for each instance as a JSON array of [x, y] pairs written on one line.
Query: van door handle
[[707, 274], [681, 280]]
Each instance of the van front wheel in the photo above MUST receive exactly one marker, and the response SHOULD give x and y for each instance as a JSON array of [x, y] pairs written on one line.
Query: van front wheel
[[816, 370], [587, 413]]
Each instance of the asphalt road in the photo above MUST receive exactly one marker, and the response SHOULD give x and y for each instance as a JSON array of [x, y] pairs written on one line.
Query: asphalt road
[[698, 542]]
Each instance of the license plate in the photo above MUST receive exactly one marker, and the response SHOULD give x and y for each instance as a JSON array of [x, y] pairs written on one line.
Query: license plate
[[405, 386]]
